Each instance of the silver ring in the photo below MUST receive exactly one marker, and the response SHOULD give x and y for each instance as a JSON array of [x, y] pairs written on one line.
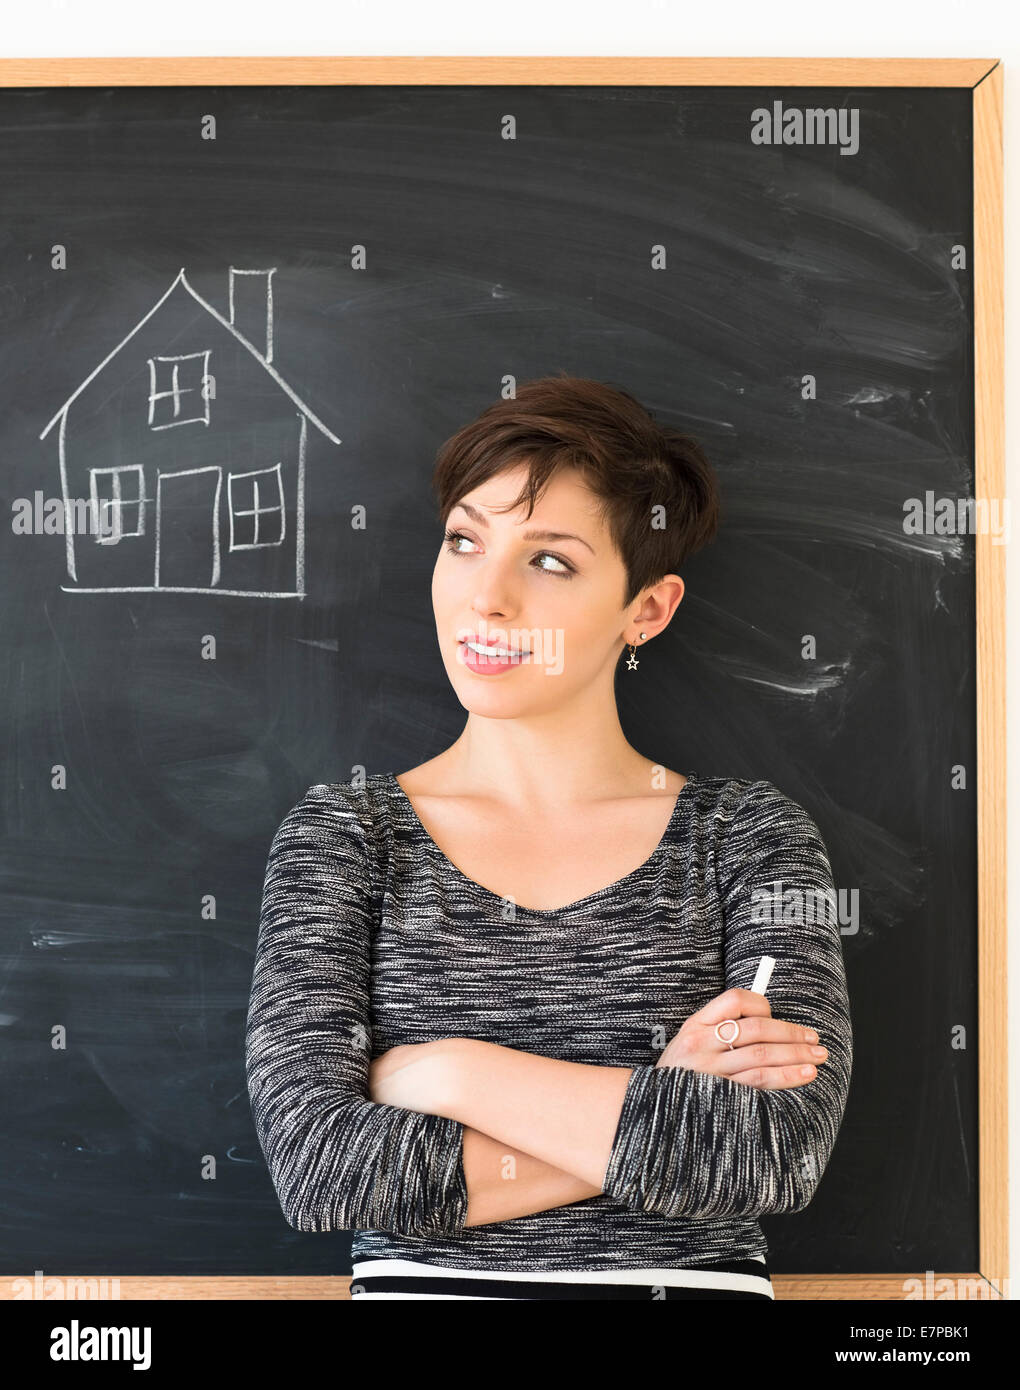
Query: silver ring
[[733, 1036]]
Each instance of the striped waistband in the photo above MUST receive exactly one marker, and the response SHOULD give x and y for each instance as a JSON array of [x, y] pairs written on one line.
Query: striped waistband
[[746, 1278]]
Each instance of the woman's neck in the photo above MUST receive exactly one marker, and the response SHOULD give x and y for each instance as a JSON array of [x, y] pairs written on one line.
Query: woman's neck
[[524, 765]]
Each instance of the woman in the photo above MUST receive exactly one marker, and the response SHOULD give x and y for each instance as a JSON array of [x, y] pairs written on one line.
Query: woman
[[501, 1023]]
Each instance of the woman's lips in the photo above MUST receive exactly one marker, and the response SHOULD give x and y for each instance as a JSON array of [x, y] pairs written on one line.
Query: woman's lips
[[490, 661]]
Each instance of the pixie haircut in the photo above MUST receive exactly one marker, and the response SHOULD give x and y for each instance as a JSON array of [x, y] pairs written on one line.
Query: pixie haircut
[[634, 465]]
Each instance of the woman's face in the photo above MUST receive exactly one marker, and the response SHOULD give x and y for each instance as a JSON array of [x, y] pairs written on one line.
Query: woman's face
[[550, 603]]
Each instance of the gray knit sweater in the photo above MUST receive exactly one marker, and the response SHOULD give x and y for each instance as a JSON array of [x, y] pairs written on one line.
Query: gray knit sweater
[[370, 937]]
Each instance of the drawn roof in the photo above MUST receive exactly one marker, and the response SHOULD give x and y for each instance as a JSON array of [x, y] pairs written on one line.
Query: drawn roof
[[182, 280]]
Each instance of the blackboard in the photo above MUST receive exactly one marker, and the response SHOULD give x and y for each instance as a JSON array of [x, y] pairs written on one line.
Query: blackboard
[[367, 268]]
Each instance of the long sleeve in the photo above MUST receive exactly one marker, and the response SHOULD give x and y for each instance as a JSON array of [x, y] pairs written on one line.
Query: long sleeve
[[702, 1146], [338, 1160]]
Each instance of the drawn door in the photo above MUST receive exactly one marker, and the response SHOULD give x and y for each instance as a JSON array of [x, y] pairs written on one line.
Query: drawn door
[[188, 529]]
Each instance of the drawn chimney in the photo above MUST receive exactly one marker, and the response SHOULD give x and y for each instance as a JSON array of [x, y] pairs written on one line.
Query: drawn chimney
[[251, 308]]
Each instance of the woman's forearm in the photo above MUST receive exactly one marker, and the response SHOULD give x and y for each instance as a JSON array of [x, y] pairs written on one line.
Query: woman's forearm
[[504, 1182], [563, 1113]]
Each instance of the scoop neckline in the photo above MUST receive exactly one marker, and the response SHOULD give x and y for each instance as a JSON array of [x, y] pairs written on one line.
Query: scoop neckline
[[578, 903]]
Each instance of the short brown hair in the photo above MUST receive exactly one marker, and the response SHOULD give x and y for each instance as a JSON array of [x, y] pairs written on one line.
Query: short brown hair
[[627, 459]]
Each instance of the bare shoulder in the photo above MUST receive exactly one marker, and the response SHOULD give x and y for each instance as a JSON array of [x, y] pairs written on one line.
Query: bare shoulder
[[427, 779], [675, 782], [661, 783]]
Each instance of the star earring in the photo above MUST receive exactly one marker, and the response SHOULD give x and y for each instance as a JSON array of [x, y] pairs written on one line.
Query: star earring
[[632, 661]]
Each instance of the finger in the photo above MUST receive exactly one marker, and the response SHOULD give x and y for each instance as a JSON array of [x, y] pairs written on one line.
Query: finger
[[777, 1078], [765, 1029], [734, 1003], [762, 1056]]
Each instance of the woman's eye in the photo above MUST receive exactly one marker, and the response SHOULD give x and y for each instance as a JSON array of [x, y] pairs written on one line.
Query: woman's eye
[[545, 555], [453, 537]]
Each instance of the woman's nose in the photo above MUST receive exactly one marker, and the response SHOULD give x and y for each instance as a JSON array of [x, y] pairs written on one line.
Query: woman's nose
[[494, 594]]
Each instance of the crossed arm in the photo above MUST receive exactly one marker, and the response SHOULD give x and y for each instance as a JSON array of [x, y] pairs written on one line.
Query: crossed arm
[[561, 1120], [538, 1132]]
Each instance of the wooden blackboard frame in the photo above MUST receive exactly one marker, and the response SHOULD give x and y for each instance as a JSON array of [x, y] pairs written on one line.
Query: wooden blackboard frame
[[984, 77]]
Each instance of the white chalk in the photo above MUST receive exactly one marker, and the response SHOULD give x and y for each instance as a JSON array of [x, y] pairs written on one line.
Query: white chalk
[[764, 973]]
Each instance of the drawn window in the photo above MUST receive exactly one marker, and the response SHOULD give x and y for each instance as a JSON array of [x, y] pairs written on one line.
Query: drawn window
[[178, 391], [117, 496], [256, 508]]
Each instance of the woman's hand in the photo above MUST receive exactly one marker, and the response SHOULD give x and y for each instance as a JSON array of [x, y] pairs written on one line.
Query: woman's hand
[[768, 1054]]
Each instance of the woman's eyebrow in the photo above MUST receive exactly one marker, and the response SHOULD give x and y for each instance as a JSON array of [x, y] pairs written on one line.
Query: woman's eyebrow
[[482, 520]]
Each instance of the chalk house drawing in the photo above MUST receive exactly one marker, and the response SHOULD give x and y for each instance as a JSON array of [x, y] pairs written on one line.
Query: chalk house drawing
[[188, 397]]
